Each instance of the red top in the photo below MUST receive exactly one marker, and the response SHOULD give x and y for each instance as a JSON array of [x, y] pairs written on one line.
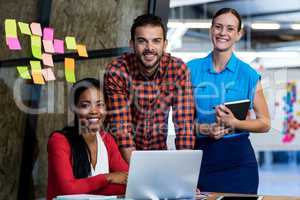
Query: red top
[[61, 180], [138, 106]]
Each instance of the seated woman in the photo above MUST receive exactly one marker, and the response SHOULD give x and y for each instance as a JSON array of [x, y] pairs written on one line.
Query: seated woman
[[84, 158]]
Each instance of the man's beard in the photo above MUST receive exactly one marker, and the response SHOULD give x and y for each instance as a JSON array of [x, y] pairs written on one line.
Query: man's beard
[[154, 65]]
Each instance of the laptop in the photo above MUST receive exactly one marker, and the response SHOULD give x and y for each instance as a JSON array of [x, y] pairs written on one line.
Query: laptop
[[163, 174]]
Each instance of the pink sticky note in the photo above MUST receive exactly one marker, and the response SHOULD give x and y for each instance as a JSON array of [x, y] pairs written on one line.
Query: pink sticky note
[[48, 74], [13, 43], [48, 33], [48, 46], [59, 46], [47, 59], [36, 28]]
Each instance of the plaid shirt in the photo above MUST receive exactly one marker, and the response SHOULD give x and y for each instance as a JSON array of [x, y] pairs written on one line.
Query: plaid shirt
[[138, 107]]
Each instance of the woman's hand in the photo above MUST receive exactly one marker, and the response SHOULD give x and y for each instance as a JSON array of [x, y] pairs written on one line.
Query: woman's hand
[[213, 130], [225, 117], [217, 132], [117, 177]]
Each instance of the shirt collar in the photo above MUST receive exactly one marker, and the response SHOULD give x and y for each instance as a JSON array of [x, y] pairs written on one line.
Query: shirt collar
[[231, 64]]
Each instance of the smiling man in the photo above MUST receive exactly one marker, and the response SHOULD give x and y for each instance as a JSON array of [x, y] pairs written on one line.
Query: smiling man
[[140, 88]]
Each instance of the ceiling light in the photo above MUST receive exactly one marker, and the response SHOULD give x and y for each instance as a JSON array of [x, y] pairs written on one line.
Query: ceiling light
[[295, 26], [175, 24], [198, 25], [265, 26]]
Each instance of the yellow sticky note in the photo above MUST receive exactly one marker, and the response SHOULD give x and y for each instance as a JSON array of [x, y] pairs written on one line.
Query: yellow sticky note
[[23, 72], [71, 43], [10, 28], [70, 70], [24, 27], [48, 74], [81, 49], [36, 72], [36, 46]]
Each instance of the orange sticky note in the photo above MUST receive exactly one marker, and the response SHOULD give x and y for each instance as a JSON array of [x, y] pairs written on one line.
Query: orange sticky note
[[70, 70], [81, 49], [48, 74], [36, 72], [47, 59]]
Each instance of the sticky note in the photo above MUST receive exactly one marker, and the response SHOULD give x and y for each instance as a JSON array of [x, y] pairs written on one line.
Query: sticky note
[[47, 59], [48, 46], [48, 33], [23, 72], [48, 74], [24, 28], [36, 46], [10, 28], [59, 46], [71, 43], [13, 43], [36, 72], [81, 49], [36, 28], [70, 70]]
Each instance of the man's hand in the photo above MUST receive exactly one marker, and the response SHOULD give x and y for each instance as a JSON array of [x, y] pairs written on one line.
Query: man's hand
[[126, 153]]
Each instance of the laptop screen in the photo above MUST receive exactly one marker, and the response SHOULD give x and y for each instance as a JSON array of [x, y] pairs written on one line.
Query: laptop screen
[[163, 174]]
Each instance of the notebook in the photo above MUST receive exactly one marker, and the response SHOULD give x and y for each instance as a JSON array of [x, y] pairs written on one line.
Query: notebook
[[163, 174]]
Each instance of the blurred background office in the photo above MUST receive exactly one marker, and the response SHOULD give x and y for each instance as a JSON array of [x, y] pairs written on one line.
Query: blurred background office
[[271, 44], [30, 112]]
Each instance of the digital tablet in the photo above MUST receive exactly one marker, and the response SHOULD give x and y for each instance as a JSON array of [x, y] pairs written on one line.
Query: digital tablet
[[239, 108], [240, 197]]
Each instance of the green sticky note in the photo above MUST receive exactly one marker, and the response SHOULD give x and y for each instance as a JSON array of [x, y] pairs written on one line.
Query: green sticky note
[[24, 27], [36, 46], [10, 28], [71, 43], [35, 65], [23, 72], [70, 70]]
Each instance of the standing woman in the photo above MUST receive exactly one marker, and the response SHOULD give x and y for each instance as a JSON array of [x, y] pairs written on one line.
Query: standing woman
[[84, 158], [229, 163]]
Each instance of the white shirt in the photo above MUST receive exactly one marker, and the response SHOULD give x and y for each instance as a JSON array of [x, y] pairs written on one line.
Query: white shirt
[[102, 166]]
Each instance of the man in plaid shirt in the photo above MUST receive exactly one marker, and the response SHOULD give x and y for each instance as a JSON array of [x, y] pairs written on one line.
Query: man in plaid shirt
[[141, 87]]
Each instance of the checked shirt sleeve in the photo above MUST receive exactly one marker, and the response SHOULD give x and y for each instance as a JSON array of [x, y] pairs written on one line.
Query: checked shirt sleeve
[[183, 109], [118, 105]]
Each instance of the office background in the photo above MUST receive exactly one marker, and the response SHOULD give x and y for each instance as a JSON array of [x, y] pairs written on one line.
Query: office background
[[103, 26]]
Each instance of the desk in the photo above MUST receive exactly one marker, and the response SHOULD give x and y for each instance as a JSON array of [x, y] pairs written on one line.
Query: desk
[[213, 196]]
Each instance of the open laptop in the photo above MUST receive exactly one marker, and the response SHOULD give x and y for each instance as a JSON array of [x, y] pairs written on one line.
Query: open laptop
[[163, 174]]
